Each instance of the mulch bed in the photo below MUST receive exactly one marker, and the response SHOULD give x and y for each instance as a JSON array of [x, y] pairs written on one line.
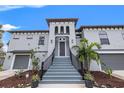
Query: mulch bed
[[104, 79], [14, 81]]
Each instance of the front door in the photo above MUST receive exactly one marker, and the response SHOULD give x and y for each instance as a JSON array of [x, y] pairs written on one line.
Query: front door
[[62, 48]]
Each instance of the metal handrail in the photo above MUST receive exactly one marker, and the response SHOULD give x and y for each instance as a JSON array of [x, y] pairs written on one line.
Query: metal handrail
[[47, 63], [75, 62]]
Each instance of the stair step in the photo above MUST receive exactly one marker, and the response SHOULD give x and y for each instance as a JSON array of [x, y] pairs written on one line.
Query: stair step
[[62, 63], [61, 77], [61, 67], [62, 73], [62, 70], [47, 75], [62, 81], [62, 60]]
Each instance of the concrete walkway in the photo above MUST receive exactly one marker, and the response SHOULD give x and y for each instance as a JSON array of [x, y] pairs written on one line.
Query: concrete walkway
[[119, 74], [61, 86], [6, 74]]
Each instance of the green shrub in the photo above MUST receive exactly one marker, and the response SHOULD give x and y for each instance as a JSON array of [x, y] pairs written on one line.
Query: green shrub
[[1, 67], [88, 76], [19, 73], [35, 77], [108, 71]]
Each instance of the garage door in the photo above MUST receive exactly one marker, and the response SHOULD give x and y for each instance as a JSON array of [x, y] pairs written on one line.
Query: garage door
[[21, 62], [116, 62]]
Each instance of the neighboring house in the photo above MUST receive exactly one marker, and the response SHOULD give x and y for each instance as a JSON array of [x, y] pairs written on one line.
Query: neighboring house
[[2, 53], [62, 36]]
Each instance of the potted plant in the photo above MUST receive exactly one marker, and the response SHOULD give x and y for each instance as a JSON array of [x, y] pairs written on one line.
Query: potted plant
[[1, 67], [35, 81], [89, 79]]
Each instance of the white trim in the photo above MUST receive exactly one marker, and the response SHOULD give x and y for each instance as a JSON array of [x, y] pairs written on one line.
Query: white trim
[[111, 52], [65, 48], [61, 56], [58, 48], [29, 63], [12, 62]]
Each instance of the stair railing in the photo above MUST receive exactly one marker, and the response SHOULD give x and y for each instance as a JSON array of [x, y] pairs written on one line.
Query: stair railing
[[46, 64], [75, 62]]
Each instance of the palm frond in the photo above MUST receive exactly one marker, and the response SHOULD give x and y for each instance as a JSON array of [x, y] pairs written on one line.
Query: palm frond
[[94, 44]]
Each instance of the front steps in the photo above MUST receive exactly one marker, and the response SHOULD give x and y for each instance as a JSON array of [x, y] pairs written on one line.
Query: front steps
[[61, 86], [62, 72]]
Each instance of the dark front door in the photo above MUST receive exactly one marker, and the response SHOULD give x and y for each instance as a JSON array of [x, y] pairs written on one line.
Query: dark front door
[[62, 48]]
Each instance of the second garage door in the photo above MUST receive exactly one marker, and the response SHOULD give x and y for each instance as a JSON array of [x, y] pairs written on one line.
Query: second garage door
[[115, 61]]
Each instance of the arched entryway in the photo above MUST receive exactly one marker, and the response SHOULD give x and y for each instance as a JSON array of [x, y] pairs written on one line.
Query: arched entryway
[[62, 46]]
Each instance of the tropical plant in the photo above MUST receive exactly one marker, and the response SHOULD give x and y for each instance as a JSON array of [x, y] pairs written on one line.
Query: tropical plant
[[19, 73], [35, 77], [1, 67], [0, 26], [86, 54], [35, 61], [107, 69], [88, 76]]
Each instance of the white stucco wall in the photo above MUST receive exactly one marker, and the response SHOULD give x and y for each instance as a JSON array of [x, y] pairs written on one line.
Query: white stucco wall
[[10, 57], [72, 37], [114, 36], [27, 44], [8, 61]]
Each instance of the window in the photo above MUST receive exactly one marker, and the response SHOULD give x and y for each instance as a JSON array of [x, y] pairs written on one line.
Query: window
[[67, 30], [62, 30], [21, 62], [29, 36], [41, 40], [103, 38], [15, 36], [123, 35], [56, 30], [78, 36]]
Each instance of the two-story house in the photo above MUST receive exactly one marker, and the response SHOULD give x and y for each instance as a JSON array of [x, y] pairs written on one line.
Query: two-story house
[[62, 35]]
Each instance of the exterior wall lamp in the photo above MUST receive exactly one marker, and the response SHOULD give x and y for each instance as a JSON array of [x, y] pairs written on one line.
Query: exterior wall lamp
[[51, 41], [9, 57], [72, 40]]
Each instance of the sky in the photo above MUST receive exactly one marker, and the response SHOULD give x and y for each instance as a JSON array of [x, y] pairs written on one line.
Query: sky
[[34, 17]]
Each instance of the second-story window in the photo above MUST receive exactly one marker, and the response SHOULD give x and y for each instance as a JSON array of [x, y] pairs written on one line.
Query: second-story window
[[41, 40], [67, 30], [123, 35], [15, 36], [103, 38], [29, 36], [62, 30], [56, 30]]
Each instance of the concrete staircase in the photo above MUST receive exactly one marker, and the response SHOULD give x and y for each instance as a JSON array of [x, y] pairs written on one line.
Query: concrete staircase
[[62, 72]]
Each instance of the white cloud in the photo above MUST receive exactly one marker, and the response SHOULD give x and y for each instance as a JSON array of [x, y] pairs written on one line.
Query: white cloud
[[5, 47], [7, 7], [7, 27], [10, 7]]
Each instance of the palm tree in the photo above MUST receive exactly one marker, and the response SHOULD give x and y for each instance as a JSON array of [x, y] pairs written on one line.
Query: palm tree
[[86, 54], [0, 26]]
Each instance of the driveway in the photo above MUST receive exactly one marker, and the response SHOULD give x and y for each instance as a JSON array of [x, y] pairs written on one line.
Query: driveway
[[6, 74], [119, 73]]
